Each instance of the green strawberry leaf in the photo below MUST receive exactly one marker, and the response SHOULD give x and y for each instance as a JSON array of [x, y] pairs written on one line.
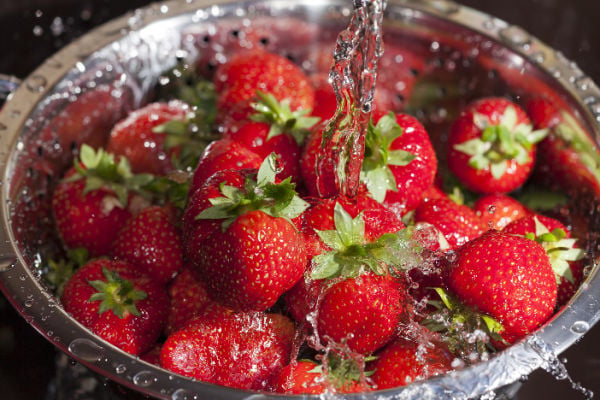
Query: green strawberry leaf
[[116, 294]]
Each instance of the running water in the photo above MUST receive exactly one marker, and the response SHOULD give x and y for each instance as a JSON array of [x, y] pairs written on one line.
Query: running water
[[357, 52]]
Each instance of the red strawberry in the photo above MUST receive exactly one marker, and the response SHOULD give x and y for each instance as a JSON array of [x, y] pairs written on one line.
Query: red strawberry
[[568, 159], [492, 146], [238, 80], [221, 155], [131, 320], [508, 277], [238, 350], [254, 254], [457, 222], [151, 241], [273, 128], [564, 253], [498, 210], [319, 182], [308, 377], [325, 100], [135, 138], [400, 163], [362, 303], [88, 210], [404, 361], [188, 298]]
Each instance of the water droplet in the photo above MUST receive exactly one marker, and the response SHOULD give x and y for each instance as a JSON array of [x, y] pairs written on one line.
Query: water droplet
[[120, 369], [38, 31], [256, 397], [538, 57], [515, 35], [164, 9], [57, 27], [86, 349], [444, 6], [36, 84], [28, 303], [580, 327], [584, 83], [144, 378], [183, 394], [7, 263]]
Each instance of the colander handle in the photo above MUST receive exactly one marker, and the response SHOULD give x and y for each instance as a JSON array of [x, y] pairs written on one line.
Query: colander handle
[[8, 84]]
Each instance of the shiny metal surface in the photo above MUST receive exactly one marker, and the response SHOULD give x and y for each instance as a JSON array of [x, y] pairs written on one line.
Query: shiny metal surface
[[127, 55]]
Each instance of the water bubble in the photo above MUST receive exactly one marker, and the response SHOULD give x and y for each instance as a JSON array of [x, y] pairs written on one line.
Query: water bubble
[[183, 394], [580, 327], [144, 378], [86, 349], [38, 31]]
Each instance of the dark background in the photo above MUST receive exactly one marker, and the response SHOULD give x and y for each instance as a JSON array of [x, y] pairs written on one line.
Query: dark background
[[31, 30]]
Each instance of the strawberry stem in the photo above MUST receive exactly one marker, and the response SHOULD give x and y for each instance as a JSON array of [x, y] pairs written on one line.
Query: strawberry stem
[[116, 294]]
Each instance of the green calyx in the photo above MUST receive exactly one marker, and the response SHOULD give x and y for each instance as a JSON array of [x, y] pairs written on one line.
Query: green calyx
[[116, 294], [259, 193], [281, 118], [100, 170], [376, 172], [61, 270], [458, 325], [560, 249], [350, 252], [500, 143]]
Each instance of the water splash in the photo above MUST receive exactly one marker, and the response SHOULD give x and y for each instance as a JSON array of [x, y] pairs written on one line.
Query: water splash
[[356, 55]]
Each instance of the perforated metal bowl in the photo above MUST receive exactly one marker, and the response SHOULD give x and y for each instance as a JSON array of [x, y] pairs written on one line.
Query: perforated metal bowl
[[120, 63]]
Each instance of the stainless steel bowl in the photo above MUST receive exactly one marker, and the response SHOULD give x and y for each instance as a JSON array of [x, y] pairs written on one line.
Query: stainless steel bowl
[[121, 62]]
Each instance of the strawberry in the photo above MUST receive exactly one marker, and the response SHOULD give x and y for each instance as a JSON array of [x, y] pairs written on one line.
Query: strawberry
[[339, 375], [188, 297], [135, 139], [498, 210], [507, 277], [564, 253], [118, 303], [246, 72], [87, 211], [221, 155], [319, 181], [400, 163], [362, 302], [404, 361], [457, 222], [492, 146], [273, 128], [255, 253], [325, 100], [568, 159], [151, 241], [243, 350]]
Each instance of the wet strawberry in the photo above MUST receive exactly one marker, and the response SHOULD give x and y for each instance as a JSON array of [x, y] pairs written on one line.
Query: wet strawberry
[[118, 303], [246, 72], [400, 163], [457, 222], [135, 138], [508, 277], [498, 210], [152, 242], [404, 361], [238, 350], [563, 251], [492, 146], [255, 253]]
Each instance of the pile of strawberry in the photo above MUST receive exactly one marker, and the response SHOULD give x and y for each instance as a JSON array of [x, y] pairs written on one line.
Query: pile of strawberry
[[204, 237]]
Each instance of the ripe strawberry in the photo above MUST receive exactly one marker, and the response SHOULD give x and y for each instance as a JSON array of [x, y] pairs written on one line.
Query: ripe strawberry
[[340, 375], [564, 253], [243, 350], [254, 253], [89, 205], [135, 138], [404, 361], [151, 241], [360, 303], [246, 72], [273, 128], [568, 159], [118, 303], [188, 298], [221, 155], [492, 146], [325, 100], [508, 277], [498, 210], [318, 181], [458, 223], [400, 163]]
